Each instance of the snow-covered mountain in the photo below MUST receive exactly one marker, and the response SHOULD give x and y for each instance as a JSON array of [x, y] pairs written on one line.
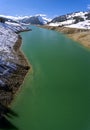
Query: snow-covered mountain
[[74, 20], [37, 19]]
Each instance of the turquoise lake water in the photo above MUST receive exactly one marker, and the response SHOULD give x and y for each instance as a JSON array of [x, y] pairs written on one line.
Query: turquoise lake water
[[56, 92]]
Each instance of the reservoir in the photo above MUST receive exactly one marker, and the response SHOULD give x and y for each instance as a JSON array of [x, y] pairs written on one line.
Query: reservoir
[[56, 92]]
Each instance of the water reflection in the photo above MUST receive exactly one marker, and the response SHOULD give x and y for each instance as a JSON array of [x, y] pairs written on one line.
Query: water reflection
[[5, 114]]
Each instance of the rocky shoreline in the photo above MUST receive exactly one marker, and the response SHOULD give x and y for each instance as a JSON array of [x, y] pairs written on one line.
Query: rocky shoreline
[[13, 67], [81, 36]]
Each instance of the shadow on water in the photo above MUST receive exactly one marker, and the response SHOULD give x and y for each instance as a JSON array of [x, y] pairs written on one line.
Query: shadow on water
[[5, 114]]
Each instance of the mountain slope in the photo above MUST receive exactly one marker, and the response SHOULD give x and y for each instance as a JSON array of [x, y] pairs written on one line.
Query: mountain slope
[[74, 20]]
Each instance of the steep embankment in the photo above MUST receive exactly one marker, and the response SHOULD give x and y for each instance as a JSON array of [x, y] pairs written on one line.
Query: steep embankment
[[80, 35], [13, 66]]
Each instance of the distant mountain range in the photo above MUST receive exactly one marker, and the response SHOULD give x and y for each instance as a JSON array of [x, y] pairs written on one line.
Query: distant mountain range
[[37, 19], [75, 19]]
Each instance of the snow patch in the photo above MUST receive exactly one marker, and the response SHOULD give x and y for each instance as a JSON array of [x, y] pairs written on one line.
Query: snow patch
[[68, 22], [81, 25]]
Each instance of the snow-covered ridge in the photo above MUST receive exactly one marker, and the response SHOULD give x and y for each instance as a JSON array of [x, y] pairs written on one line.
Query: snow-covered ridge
[[8, 38], [14, 17], [7, 41], [74, 20], [43, 19], [16, 27]]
